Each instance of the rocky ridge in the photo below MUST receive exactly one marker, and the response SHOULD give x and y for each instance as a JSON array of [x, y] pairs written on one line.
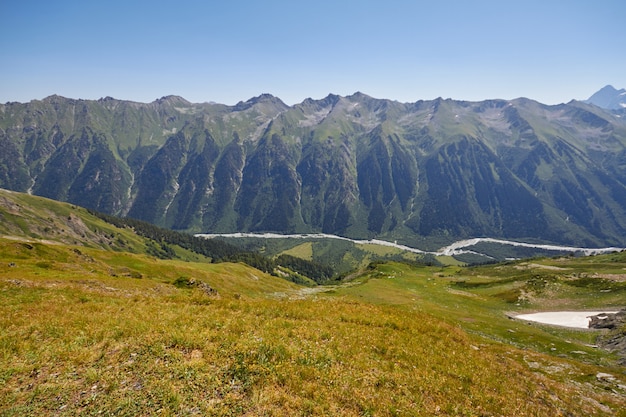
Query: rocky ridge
[[353, 166]]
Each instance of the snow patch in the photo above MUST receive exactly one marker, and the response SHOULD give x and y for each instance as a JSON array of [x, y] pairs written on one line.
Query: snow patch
[[575, 319]]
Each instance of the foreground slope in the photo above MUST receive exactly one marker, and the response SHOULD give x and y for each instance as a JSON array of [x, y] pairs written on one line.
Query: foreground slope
[[353, 166], [76, 341], [86, 330]]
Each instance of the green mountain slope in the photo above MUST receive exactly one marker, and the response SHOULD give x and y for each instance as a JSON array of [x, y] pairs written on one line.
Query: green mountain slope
[[354, 166]]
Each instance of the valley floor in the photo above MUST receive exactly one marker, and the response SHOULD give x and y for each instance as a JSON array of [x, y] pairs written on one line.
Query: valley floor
[[456, 248]]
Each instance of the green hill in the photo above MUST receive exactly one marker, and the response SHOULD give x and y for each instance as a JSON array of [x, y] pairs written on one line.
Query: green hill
[[31, 217]]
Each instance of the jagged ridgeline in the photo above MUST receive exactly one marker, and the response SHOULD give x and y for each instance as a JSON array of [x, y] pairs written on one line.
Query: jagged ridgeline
[[353, 166]]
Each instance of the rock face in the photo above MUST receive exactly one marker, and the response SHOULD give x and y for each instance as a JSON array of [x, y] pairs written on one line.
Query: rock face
[[353, 166], [615, 341], [608, 320]]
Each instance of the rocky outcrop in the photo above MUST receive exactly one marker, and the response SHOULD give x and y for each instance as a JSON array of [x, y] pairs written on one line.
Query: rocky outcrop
[[615, 340], [608, 320]]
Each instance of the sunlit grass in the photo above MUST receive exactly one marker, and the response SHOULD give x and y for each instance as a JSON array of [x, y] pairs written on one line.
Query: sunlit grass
[[303, 251], [65, 350], [91, 332], [483, 304]]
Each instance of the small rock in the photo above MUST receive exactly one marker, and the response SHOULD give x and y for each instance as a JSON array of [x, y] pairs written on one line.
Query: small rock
[[601, 376], [208, 289]]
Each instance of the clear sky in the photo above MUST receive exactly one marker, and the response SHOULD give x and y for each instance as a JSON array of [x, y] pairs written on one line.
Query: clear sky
[[231, 50]]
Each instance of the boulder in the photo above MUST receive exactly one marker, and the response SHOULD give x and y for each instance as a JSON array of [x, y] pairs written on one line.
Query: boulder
[[608, 320]]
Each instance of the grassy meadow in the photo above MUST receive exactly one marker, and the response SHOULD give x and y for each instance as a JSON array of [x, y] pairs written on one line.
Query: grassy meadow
[[99, 332], [91, 329]]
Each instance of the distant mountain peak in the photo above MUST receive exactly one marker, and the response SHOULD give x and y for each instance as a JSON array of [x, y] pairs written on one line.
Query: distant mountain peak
[[172, 99], [608, 97], [359, 95], [607, 89], [260, 99], [54, 97]]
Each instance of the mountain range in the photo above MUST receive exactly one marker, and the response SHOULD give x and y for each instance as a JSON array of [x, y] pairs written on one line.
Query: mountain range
[[354, 166]]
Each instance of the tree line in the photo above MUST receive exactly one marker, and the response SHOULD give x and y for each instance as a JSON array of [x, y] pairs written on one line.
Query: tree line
[[215, 249]]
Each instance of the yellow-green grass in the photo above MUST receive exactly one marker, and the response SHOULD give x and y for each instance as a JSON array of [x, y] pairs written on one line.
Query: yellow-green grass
[[381, 250], [82, 334], [44, 263], [303, 251], [449, 260], [70, 352], [32, 217], [487, 311]]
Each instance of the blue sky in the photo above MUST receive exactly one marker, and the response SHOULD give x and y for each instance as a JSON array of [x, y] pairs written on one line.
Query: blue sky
[[226, 51]]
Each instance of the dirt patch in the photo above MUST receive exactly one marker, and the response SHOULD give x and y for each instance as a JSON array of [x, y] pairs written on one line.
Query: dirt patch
[[10, 206], [77, 225], [463, 293], [539, 266], [612, 277]]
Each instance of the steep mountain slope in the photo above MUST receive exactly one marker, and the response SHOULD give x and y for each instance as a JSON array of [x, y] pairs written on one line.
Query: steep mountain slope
[[353, 166]]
